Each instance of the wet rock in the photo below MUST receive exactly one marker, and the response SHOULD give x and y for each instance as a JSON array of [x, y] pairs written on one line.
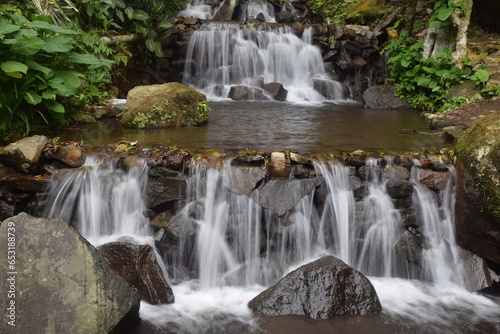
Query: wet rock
[[432, 179], [248, 160], [25, 182], [69, 155], [398, 172], [24, 155], [245, 93], [478, 275], [162, 219], [397, 188], [64, 284], [329, 89], [281, 196], [137, 264], [276, 90], [383, 97], [323, 289], [162, 190], [242, 180], [408, 247], [6, 210], [167, 105], [478, 191], [405, 162], [284, 16], [279, 166], [170, 160]]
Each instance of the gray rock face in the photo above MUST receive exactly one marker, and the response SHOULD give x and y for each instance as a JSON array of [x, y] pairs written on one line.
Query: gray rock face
[[277, 91], [282, 195], [323, 289], [161, 190], [244, 93], [242, 180], [397, 188], [62, 283], [137, 264], [382, 97], [24, 155]]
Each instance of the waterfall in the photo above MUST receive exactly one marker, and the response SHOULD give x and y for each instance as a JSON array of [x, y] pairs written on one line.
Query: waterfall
[[104, 202], [199, 9], [253, 8], [442, 263], [221, 55]]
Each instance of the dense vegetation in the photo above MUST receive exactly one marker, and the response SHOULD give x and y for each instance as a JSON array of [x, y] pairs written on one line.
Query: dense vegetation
[[56, 56]]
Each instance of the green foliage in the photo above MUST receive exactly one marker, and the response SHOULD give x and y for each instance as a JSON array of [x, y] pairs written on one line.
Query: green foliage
[[424, 83], [40, 67], [331, 11], [443, 9], [148, 18]]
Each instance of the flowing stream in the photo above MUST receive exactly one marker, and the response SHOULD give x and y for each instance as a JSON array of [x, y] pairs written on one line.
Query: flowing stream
[[105, 203]]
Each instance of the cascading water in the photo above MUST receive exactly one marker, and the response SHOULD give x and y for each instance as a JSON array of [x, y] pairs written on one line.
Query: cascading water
[[242, 246], [221, 55], [104, 202], [253, 8], [199, 9]]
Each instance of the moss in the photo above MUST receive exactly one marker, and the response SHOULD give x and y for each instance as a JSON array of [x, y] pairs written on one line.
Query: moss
[[479, 148], [365, 11]]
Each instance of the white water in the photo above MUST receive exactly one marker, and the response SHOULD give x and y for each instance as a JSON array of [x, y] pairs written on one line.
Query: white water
[[221, 55], [106, 204], [253, 8], [199, 9]]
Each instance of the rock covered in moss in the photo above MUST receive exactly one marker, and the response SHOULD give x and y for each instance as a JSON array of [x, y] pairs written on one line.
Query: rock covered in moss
[[479, 149], [166, 105], [367, 10]]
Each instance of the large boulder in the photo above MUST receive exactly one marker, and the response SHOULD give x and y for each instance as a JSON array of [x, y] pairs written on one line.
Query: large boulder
[[383, 97], [57, 282], [323, 289], [242, 180], [245, 93], [167, 105], [478, 192], [137, 264], [24, 155]]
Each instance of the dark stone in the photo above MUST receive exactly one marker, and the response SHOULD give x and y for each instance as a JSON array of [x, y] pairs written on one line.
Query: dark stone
[[323, 289], [24, 182], [281, 196], [383, 97], [276, 90], [137, 264], [163, 190], [245, 93], [397, 188], [169, 160], [285, 16], [358, 62], [432, 179], [248, 160], [6, 210], [397, 172], [329, 89], [63, 283]]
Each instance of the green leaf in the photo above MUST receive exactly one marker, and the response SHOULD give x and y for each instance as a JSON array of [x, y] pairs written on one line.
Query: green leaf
[[36, 66], [140, 15], [57, 44], [482, 75], [54, 106], [90, 10], [89, 59], [14, 66], [28, 46], [435, 24], [444, 13], [7, 28], [65, 82], [429, 69], [51, 27], [120, 15], [32, 97], [129, 12], [423, 82], [405, 63], [150, 44]]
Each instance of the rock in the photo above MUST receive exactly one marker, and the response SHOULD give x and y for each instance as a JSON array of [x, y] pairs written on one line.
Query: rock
[[281, 196], [245, 93], [478, 191], [285, 16], [279, 166], [25, 182], [190, 20], [432, 179], [70, 155], [242, 180], [366, 10], [324, 289], [24, 155], [330, 89], [478, 275], [63, 284], [397, 188], [398, 172], [358, 63], [167, 105], [383, 97], [6, 210], [162, 190], [137, 264], [276, 90]]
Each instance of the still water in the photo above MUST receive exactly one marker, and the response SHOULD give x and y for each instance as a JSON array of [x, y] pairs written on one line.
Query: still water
[[268, 126]]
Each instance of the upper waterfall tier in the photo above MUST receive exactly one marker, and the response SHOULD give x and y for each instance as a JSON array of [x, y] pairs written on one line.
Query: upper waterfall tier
[[222, 55], [248, 10]]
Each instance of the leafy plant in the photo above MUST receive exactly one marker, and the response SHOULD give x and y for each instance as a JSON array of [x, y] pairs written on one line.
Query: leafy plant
[[40, 66]]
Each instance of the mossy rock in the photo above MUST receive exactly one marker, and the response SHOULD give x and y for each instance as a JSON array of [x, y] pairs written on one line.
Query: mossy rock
[[166, 105], [479, 149], [366, 11]]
